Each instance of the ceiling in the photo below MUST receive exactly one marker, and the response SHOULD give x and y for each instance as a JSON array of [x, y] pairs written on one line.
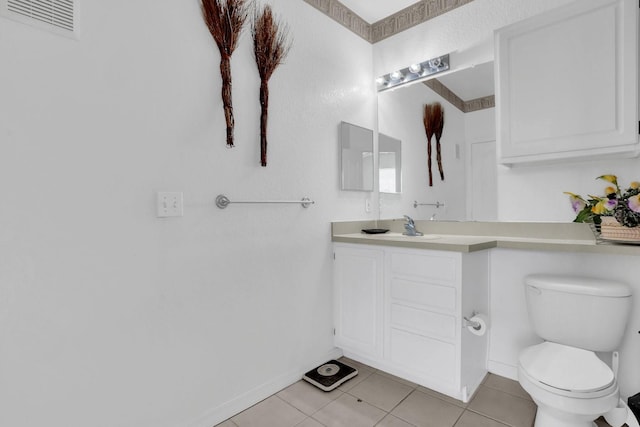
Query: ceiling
[[375, 10]]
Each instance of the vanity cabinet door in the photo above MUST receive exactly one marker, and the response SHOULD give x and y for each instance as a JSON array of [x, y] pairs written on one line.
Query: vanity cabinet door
[[358, 300], [422, 294], [567, 83]]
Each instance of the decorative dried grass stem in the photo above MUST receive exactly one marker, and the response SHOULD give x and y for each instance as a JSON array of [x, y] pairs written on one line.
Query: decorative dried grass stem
[[264, 116], [437, 119], [225, 22], [428, 128], [271, 44]]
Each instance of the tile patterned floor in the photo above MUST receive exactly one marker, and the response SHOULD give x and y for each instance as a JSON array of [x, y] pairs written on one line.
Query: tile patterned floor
[[374, 398]]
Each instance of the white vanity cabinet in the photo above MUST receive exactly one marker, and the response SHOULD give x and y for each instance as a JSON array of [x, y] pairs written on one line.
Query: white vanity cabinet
[[358, 299], [420, 305], [567, 83]]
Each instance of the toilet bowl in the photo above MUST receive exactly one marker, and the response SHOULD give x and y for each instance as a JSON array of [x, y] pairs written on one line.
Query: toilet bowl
[[572, 387], [576, 316]]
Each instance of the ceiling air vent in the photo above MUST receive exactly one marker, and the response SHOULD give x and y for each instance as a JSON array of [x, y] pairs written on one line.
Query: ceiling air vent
[[54, 15]]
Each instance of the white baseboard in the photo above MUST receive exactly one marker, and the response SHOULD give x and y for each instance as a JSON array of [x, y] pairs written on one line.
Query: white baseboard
[[238, 404], [502, 369]]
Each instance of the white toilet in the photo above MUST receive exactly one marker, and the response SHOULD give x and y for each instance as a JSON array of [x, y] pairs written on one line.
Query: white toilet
[[576, 316]]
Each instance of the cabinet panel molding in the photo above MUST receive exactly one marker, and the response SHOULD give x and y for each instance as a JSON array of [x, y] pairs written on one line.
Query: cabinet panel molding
[[423, 354], [436, 266], [423, 321], [424, 294], [567, 83]]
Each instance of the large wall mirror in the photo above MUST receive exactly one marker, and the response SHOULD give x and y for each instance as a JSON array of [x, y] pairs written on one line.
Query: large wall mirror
[[356, 158], [466, 95]]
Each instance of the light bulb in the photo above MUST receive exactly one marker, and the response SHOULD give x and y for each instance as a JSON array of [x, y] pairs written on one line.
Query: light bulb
[[415, 68], [435, 63], [396, 75]]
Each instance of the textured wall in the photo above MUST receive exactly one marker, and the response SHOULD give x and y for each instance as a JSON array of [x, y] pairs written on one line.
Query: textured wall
[[110, 317]]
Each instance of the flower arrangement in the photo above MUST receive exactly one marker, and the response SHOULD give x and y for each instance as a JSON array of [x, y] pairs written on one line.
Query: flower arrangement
[[623, 205]]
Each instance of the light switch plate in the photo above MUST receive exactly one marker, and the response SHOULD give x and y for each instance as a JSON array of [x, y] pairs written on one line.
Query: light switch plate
[[169, 204]]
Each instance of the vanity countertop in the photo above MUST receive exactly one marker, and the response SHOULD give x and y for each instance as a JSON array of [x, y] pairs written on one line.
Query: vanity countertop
[[475, 236]]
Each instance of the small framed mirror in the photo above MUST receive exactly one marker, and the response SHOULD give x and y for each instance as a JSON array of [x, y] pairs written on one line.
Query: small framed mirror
[[356, 158], [389, 164]]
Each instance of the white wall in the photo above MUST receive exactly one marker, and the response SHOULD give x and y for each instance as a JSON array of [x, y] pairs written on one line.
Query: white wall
[[112, 317], [400, 115], [547, 183]]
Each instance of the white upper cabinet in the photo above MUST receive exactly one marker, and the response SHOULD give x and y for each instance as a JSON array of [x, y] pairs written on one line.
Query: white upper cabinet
[[567, 83]]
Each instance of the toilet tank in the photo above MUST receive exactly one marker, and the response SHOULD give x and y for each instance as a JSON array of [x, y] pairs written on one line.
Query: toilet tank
[[583, 312]]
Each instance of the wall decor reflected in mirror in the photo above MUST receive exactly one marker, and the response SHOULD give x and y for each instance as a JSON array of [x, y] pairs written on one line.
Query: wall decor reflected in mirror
[[389, 164], [356, 158], [466, 95]]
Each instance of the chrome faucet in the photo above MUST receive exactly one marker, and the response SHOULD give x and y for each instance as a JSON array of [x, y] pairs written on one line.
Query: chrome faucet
[[410, 227]]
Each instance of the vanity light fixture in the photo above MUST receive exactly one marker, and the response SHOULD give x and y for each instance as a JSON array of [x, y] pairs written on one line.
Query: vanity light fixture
[[418, 71]]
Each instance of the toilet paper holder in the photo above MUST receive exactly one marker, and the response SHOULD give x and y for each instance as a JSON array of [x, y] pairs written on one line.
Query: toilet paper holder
[[468, 322]]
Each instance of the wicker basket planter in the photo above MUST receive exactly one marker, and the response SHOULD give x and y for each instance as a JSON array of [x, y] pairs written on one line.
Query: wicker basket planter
[[613, 230]]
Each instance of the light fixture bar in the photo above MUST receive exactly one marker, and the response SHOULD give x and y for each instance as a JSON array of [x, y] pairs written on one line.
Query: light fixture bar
[[419, 71]]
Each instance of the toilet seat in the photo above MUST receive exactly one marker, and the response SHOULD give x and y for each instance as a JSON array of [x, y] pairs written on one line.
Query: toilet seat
[[566, 370]]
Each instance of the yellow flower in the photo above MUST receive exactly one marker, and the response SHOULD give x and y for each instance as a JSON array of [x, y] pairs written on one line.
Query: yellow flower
[[598, 208], [610, 178], [603, 206], [609, 190], [572, 194], [634, 185]]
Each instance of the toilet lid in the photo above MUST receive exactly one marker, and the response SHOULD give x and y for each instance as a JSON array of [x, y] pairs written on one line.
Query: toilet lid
[[566, 368]]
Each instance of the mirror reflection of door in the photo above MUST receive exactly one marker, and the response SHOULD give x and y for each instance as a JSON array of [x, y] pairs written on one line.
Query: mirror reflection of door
[[389, 164], [483, 182], [387, 172]]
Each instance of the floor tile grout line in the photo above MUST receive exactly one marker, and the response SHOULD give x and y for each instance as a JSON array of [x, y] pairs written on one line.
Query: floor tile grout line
[[510, 394], [459, 416], [484, 383], [444, 400], [289, 404], [382, 409], [475, 411], [399, 403], [484, 416]]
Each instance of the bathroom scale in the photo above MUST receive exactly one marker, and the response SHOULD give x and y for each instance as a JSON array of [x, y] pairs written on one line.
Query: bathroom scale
[[330, 375]]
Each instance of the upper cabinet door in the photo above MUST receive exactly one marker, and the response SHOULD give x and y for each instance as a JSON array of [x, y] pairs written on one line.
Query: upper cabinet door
[[567, 83]]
